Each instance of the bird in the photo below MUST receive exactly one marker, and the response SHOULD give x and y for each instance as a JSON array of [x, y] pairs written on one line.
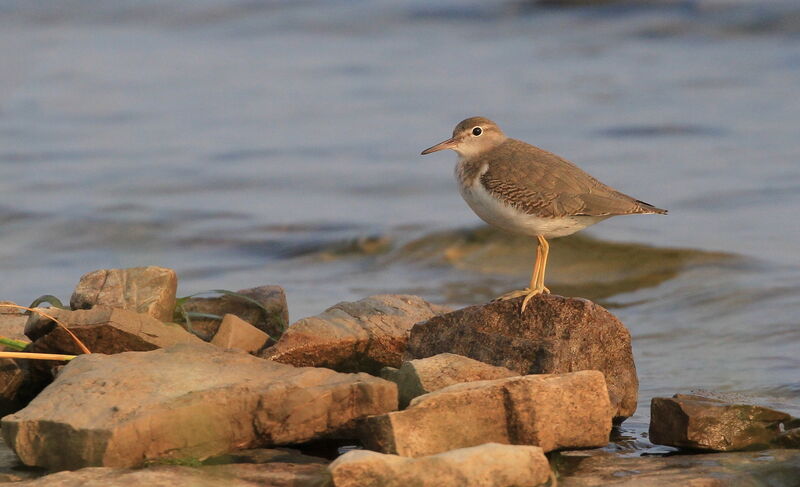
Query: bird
[[523, 189]]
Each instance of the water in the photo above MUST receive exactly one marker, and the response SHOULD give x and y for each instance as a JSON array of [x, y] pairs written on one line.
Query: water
[[246, 143]]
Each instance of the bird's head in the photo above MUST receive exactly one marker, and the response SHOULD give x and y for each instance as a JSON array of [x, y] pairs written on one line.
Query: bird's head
[[471, 137]]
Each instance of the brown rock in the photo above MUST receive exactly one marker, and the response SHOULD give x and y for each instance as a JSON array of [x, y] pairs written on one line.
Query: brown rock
[[149, 290], [417, 377], [701, 423], [774, 468], [237, 475], [363, 335], [106, 330], [550, 411], [487, 465], [271, 317], [240, 335], [789, 438], [554, 335], [187, 401], [12, 375]]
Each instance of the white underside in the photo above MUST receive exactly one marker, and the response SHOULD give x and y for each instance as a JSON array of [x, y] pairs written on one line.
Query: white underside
[[495, 212]]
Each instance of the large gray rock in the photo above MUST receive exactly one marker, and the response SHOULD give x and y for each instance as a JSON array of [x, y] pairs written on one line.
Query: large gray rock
[[149, 290], [417, 377], [270, 315], [186, 401], [702, 423], [487, 465], [773, 468], [554, 335], [551, 411], [364, 335]]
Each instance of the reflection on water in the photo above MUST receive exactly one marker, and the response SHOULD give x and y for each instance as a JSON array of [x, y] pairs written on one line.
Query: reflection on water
[[251, 143]]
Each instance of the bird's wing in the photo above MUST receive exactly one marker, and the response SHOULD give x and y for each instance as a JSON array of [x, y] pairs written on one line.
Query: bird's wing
[[541, 183]]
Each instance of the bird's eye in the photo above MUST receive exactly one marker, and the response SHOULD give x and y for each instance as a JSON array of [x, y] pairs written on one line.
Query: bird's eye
[[477, 131]]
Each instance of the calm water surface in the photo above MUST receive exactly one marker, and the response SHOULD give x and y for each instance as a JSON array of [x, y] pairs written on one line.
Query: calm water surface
[[251, 143]]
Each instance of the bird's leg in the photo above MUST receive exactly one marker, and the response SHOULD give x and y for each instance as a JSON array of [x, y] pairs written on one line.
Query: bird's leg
[[536, 278], [545, 247], [537, 281]]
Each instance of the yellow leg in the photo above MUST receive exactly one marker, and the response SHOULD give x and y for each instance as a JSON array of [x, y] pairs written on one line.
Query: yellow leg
[[537, 278], [544, 246]]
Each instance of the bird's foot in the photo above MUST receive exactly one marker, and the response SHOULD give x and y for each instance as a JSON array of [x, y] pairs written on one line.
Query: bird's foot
[[527, 292]]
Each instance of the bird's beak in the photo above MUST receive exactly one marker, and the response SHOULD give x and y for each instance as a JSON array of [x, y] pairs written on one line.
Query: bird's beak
[[447, 144]]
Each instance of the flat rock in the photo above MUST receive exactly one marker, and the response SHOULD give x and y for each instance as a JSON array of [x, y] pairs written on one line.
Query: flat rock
[[417, 377], [702, 423], [187, 401], [551, 411], [774, 468], [149, 290], [363, 335], [487, 465], [270, 314], [238, 334], [554, 335], [104, 330], [238, 475]]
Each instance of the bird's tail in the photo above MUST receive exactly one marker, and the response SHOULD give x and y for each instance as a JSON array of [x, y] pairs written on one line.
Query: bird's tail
[[648, 208]]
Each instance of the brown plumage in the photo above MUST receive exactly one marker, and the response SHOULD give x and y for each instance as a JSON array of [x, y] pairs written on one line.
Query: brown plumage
[[541, 183], [524, 189]]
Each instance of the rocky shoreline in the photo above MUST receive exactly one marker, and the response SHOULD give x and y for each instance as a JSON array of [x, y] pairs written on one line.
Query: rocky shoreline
[[423, 395]]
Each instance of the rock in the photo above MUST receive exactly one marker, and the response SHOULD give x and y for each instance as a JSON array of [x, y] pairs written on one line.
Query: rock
[[271, 317], [789, 438], [149, 290], [237, 475], [487, 465], [364, 335], [101, 329], [187, 401], [550, 411], [774, 468], [417, 377], [554, 335], [12, 324], [104, 330], [12, 375], [266, 455], [702, 423], [240, 335]]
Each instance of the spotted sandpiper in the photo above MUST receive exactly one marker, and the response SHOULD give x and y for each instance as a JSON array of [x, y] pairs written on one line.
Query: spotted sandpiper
[[523, 189]]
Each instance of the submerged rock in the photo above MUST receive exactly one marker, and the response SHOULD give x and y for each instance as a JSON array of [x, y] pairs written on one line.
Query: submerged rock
[[187, 401], [551, 411], [149, 290], [363, 335], [702, 423], [774, 468], [487, 465], [554, 335], [417, 377], [270, 314]]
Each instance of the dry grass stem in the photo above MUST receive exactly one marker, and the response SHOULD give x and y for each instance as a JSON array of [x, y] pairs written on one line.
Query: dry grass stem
[[77, 340], [36, 356]]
